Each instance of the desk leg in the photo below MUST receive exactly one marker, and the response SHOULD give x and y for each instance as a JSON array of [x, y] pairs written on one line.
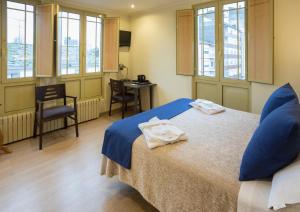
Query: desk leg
[[151, 97], [136, 91]]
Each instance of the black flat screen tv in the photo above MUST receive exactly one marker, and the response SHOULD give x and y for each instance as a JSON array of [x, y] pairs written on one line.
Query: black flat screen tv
[[125, 38]]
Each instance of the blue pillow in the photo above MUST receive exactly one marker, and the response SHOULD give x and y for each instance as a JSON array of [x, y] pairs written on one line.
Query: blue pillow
[[274, 145], [279, 97]]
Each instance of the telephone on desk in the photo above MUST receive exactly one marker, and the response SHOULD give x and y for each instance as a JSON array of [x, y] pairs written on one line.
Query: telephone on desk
[[141, 79]]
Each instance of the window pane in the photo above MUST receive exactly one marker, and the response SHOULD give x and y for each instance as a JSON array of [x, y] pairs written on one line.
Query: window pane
[[15, 5], [69, 43], [91, 47], [242, 46], [15, 43], [98, 47], [20, 40], [93, 44], [29, 8], [63, 45], [29, 43], [209, 45], [234, 41], [206, 42]]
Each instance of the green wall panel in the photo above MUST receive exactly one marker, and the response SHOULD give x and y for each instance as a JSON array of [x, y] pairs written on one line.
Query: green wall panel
[[73, 88], [19, 97], [236, 98], [210, 91], [92, 87]]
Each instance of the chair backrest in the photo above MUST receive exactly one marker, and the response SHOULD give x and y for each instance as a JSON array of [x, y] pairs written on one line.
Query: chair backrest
[[50, 92], [117, 86]]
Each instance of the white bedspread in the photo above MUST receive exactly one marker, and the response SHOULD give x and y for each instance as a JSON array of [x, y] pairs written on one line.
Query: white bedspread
[[201, 174], [198, 175]]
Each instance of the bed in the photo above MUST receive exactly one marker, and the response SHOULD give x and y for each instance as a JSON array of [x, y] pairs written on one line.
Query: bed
[[200, 174]]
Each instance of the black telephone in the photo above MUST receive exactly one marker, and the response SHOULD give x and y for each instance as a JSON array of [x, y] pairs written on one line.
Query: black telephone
[[141, 78]]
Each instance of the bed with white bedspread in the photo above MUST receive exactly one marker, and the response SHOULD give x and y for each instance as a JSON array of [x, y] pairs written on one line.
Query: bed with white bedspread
[[200, 174]]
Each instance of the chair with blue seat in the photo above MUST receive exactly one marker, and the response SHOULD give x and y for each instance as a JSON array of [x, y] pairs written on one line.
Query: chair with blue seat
[[44, 94]]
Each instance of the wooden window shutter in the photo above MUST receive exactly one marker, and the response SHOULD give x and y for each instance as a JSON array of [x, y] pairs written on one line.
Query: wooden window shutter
[[185, 42], [111, 45], [45, 40], [260, 41]]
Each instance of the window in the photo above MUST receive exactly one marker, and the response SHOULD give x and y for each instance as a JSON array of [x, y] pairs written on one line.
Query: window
[[69, 43], [20, 40], [234, 41], [93, 44], [206, 42], [232, 33]]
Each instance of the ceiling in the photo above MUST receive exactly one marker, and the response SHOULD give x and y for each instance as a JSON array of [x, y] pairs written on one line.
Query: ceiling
[[122, 6]]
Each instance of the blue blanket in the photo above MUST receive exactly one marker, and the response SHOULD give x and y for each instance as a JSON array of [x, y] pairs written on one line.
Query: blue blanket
[[119, 137]]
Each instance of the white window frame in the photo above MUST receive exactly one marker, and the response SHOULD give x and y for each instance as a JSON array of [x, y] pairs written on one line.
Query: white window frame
[[223, 78], [58, 58], [100, 71], [219, 76], [198, 7], [4, 68]]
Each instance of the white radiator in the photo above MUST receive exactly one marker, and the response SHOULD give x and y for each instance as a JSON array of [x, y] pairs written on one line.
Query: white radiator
[[20, 126]]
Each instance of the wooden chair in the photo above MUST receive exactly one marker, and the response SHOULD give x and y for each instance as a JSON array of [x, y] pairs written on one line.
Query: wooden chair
[[44, 94], [119, 94]]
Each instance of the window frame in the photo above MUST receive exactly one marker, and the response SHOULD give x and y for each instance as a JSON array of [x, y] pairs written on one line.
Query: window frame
[[223, 78], [99, 73], [82, 47], [58, 71], [218, 4], [217, 48], [4, 52]]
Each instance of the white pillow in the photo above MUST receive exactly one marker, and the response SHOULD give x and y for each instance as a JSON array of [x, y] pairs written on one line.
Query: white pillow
[[285, 186]]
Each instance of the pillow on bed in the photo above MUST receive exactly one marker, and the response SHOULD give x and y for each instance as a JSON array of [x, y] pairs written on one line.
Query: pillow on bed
[[278, 98], [285, 188], [274, 145]]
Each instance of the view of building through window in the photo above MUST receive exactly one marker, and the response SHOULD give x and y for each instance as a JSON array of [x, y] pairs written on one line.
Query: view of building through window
[[69, 43], [233, 24], [93, 44], [206, 42], [20, 40], [234, 41]]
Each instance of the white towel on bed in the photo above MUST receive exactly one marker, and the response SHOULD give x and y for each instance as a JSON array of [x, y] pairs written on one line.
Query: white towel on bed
[[161, 132], [207, 107]]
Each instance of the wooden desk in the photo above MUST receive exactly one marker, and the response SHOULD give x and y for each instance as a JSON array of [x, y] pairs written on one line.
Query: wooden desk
[[136, 87]]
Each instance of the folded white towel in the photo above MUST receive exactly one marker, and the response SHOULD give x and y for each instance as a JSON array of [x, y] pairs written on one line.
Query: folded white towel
[[207, 107], [161, 132]]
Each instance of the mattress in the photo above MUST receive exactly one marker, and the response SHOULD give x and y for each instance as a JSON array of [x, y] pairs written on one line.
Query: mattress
[[200, 174]]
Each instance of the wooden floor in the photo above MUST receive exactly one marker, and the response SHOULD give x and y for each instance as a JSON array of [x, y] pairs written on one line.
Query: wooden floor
[[64, 176]]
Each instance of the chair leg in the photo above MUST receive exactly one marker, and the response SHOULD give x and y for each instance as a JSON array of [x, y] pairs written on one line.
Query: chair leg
[[76, 125], [41, 134], [35, 126], [126, 106], [65, 122], [110, 107], [140, 102], [123, 109]]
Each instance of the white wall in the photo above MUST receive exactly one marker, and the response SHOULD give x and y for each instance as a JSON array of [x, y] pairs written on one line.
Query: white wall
[[153, 53], [286, 52]]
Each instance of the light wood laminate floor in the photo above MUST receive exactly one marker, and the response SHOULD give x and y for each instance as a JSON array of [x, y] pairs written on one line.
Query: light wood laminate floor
[[64, 176]]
